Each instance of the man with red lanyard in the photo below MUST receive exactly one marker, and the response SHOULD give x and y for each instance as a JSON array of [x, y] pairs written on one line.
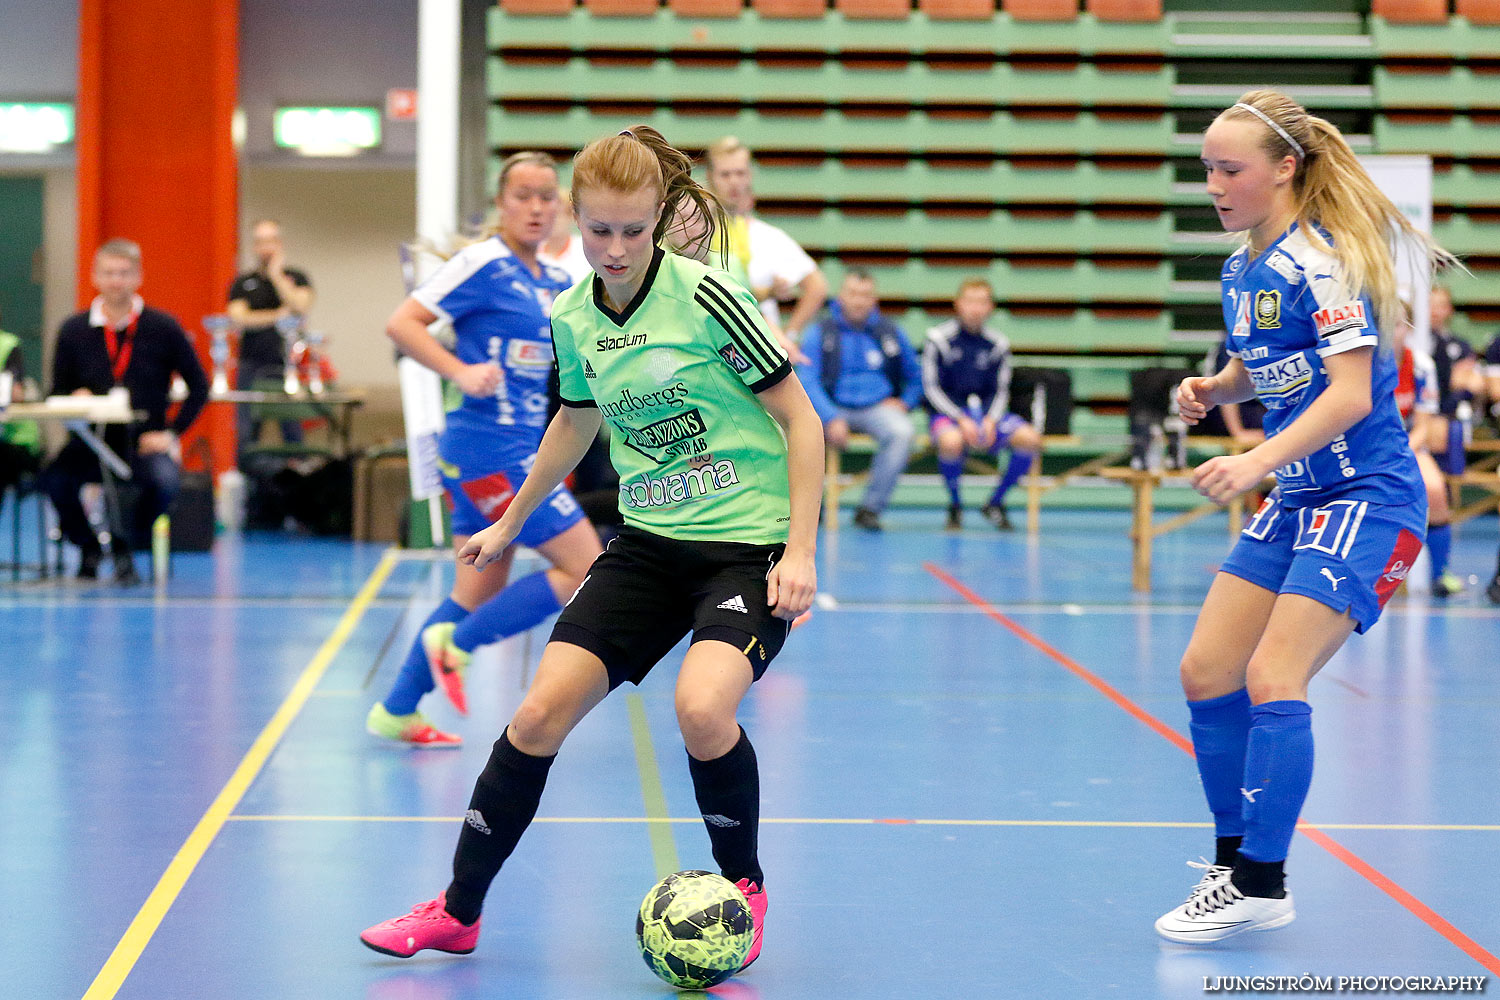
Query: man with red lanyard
[[118, 341]]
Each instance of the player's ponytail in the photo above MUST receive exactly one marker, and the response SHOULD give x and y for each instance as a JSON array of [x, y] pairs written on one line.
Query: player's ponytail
[[1332, 190], [692, 219]]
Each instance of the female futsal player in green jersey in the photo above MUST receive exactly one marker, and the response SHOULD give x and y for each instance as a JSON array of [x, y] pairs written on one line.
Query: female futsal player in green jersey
[[720, 460]]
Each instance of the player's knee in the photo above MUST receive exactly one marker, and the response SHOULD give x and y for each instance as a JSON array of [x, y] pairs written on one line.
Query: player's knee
[[704, 720], [539, 726], [1026, 440], [950, 445], [1265, 682], [1200, 675]]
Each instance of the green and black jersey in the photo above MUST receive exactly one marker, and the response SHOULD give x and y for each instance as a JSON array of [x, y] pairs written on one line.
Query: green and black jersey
[[675, 375]]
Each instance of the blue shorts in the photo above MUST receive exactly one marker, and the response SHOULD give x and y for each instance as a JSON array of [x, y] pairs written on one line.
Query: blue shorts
[[1348, 554], [481, 480], [1008, 425]]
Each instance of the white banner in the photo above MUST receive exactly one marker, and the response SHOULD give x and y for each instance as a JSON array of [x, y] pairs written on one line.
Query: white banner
[[1407, 181]]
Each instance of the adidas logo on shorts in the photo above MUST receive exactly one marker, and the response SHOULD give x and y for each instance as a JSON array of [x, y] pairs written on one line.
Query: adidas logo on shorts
[[475, 818], [735, 603], [720, 820]]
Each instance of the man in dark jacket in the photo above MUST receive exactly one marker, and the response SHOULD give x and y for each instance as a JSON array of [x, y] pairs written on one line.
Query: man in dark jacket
[[862, 375], [118, 341]]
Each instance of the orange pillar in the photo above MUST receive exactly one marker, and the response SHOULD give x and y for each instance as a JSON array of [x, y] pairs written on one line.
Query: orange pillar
[[157, 86]]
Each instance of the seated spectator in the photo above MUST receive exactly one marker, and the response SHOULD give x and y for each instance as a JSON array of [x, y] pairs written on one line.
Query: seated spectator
[[1459, 381], [20, 440], [966, 377], [118, 341], [862, 375]]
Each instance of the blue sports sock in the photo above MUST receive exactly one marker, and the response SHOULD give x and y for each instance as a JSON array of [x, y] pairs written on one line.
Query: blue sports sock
[[952, 469], [1439, 542], [1019, 462], [1220, 726], [1278, 773], [515, 609], [415, 678]]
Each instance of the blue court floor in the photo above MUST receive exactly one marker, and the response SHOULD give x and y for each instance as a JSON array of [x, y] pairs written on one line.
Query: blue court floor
[[973, 770]]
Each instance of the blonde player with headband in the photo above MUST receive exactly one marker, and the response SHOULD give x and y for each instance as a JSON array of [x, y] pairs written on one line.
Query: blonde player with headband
[[720, 456], [1305, 300]]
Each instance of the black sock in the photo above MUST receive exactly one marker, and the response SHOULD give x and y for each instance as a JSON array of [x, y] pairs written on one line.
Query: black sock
[[1259, 878], [728, 792], [1225, 850], [504, 802]]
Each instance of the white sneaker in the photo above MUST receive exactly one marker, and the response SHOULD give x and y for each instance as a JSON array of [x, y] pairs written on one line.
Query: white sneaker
[[1212, 876], [1219, 910]]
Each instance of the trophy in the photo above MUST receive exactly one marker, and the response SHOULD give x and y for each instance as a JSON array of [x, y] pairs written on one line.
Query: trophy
[[290, 328], [218, 326], [314, 358]]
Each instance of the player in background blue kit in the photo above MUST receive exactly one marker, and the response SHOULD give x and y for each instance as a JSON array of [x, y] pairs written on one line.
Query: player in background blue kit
[[1304, 301], [498, 297], [966, 379]]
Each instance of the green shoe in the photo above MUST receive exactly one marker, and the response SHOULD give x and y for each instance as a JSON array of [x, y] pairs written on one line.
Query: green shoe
[[413, 729], [1447, 585], [447, 662]]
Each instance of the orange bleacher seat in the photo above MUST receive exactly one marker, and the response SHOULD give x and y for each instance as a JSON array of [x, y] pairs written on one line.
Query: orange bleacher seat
[[537, 6], [790, 8], [1125, 10], [885, 10], [1041, 10], [621, 8], [707, 8], [1411, 11], [958, 10], [1478, 11]]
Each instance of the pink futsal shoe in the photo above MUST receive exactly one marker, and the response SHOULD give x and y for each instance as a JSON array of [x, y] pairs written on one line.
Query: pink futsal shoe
[[756, 897], [428, 925], [447, 662]]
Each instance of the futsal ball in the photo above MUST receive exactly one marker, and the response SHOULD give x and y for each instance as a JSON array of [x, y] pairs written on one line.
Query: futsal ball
[[694, 929]]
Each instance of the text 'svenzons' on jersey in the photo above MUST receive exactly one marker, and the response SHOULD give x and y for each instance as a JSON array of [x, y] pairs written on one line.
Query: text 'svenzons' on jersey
[[1286, 312], [675, 376], [499, 311]]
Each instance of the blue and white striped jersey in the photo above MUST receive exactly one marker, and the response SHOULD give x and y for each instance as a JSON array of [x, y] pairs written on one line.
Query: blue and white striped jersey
[[500, 313], [1285, 312]]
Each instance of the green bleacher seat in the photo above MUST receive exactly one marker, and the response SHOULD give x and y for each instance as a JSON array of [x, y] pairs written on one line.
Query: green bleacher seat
[[837, 131], [665, 31], [914, 84], [1456, 135], [1079, 281], [1081, 183], [1455, 87], [915, 230], [1457, 39], [1466, 186]]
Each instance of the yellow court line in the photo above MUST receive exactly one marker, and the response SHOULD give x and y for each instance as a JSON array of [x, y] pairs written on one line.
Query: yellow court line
[[663, 844], [866, 821], [122, 960]]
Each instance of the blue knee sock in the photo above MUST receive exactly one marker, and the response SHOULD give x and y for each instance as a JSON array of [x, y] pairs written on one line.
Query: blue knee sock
[[1220, 726], [1278, 773], [1439, 542], [952, 469], [1019, 462], [515, 609], [415, 678]]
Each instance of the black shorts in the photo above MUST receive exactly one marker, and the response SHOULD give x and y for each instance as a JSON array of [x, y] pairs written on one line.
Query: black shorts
[[645, 592]]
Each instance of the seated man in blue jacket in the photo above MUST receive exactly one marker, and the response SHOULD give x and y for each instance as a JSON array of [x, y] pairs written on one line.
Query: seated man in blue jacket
[[862, 375]]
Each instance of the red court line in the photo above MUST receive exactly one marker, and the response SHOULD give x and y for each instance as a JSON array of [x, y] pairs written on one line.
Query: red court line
[[1412, 904]]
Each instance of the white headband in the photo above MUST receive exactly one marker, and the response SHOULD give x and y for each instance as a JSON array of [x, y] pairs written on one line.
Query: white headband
[[1257, 112]]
